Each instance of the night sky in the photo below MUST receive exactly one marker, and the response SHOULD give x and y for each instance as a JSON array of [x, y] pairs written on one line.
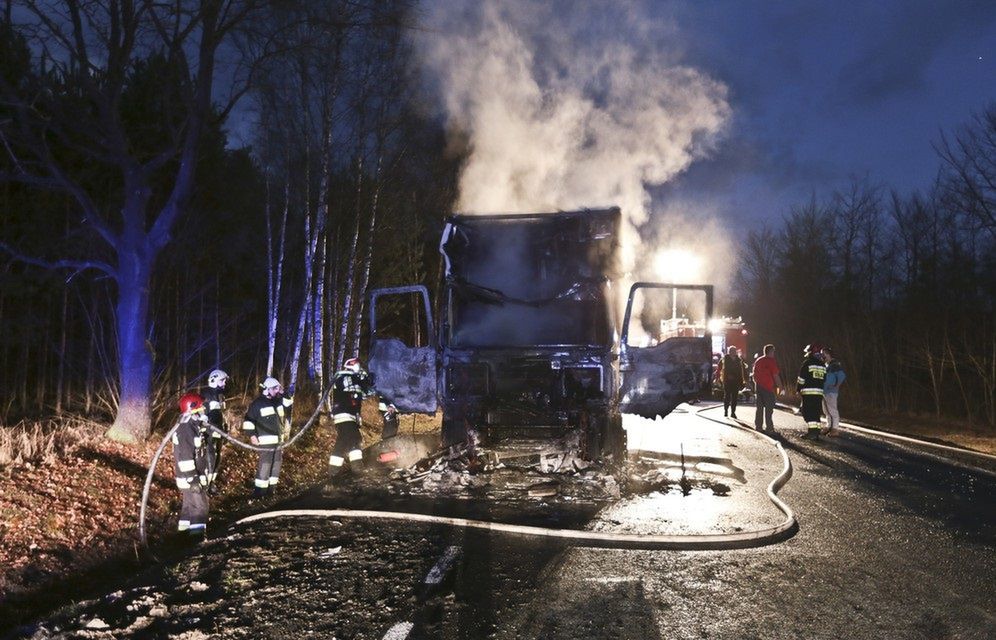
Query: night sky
[[824, 91]]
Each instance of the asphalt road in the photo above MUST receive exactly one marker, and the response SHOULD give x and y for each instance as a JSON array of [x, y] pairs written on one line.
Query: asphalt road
[[890, 544]]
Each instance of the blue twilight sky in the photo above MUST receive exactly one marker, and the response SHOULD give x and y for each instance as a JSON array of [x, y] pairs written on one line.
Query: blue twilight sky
[[826, 90]]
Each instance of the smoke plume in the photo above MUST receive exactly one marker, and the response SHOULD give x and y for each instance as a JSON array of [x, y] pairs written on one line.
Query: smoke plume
[[570, 105]]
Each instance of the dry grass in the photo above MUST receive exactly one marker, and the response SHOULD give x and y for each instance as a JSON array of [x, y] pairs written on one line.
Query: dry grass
[[38, 442]]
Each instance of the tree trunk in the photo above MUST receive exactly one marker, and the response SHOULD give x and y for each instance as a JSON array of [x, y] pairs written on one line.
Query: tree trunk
[[367, 259], [134, 418], [60, 384], [347, 304]]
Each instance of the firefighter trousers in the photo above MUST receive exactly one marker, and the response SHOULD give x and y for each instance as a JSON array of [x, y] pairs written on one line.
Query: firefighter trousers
[[390, 425], [347, 443], [268, 469], [216, 442], [194, 510], [812, 409]]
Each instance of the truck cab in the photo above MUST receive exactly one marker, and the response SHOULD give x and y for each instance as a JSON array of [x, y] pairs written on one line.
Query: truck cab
[[528, 340]]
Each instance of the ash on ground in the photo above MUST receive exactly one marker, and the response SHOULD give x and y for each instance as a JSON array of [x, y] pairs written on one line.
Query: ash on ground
[[506, 471]]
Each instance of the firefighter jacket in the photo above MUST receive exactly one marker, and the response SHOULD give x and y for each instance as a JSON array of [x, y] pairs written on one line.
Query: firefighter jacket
[[811, 376], [268, 419], [192, 457], [348, 390], [214, 403]]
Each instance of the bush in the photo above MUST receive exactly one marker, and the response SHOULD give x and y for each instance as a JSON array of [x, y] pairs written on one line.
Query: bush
[[44, 442]]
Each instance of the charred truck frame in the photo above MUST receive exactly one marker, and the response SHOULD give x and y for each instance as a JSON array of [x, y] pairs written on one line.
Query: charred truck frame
[[528, 340]]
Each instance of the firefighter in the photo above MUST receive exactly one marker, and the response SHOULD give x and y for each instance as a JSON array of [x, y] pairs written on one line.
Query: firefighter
[[810, 385], [193, 458], [214, 401], [267, 422], [349, 386]]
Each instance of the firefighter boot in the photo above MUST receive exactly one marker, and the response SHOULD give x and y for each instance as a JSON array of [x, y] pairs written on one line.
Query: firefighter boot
[[356, 461]]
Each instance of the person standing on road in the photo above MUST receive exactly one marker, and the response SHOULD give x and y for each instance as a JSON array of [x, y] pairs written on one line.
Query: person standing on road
[[192, 464], [732, 375], [214, 401], [349, 387], [267, 422], [812, 375], [767, 382], [831, 388]]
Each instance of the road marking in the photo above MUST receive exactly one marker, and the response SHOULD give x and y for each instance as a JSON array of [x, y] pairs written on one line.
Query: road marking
[[399, 631], [613, 579], [442, 566]]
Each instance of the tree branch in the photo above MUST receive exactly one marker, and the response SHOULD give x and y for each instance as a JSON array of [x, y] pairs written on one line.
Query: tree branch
[[76, 265]]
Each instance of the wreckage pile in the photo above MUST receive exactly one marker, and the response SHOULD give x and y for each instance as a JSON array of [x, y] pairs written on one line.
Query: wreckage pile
[[509, 470]]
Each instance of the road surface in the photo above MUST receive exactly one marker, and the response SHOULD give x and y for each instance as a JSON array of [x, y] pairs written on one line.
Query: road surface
[[890, 544]]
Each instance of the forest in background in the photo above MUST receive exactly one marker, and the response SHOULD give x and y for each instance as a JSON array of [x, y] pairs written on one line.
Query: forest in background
[[258, 258], [266, 266], [901, 286]]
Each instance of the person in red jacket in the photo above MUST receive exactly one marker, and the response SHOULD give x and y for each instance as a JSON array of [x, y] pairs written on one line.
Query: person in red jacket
[[767, 382]]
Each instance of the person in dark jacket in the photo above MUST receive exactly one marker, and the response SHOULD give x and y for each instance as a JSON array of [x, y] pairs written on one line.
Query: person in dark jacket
[[192, 464], [214, 403], [350, 386], [733, 376], [267, 422], [810, 384]]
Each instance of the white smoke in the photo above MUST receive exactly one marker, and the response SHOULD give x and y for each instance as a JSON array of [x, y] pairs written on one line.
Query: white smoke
[[569, 105]]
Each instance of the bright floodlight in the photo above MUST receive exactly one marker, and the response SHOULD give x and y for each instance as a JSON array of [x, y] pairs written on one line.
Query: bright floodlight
[[679, 266], [716, 325]]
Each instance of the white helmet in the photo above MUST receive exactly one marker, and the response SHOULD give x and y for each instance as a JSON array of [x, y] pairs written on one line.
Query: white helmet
[[271, 383], [353, 364], [217, 378]]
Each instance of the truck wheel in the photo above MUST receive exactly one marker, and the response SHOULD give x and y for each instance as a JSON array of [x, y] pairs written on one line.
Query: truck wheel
[[615, 438], [454, 431]]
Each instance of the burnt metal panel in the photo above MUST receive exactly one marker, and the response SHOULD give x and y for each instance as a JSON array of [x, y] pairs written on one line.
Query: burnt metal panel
[[657, 379], [654, 380], [406, 375]]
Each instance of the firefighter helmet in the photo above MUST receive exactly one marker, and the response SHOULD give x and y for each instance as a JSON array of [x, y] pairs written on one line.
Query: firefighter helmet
[[811, 348], [353, 364], [270, 383], [216, 378], [191, 402]]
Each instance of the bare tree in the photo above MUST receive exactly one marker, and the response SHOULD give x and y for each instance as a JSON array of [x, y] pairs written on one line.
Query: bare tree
[[970, 171], [90, 60]]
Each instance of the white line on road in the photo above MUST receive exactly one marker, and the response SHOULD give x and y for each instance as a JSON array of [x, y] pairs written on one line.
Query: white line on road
[[442, 566], [399, 631]]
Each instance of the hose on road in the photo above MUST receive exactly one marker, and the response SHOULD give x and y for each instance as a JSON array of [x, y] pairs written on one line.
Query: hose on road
[[601, 539]]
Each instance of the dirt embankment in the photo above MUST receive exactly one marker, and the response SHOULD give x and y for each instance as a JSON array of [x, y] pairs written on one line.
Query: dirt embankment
[[68, 520], [941, 430]]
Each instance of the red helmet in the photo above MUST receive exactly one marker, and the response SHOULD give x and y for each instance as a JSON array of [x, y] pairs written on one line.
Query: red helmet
[[191, 402]]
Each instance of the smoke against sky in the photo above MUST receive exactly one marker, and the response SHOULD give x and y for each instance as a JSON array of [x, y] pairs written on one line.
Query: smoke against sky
[[566, 108]]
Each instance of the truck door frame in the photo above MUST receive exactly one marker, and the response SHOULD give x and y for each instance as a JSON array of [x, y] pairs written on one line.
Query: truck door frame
[[650, 363], [413, 388]]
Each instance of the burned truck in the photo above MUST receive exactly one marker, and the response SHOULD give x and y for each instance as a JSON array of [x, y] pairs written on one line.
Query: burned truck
[[528, 340]]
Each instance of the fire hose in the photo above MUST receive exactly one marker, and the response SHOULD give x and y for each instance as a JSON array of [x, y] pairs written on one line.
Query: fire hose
[[602, 539], [214, 430]]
